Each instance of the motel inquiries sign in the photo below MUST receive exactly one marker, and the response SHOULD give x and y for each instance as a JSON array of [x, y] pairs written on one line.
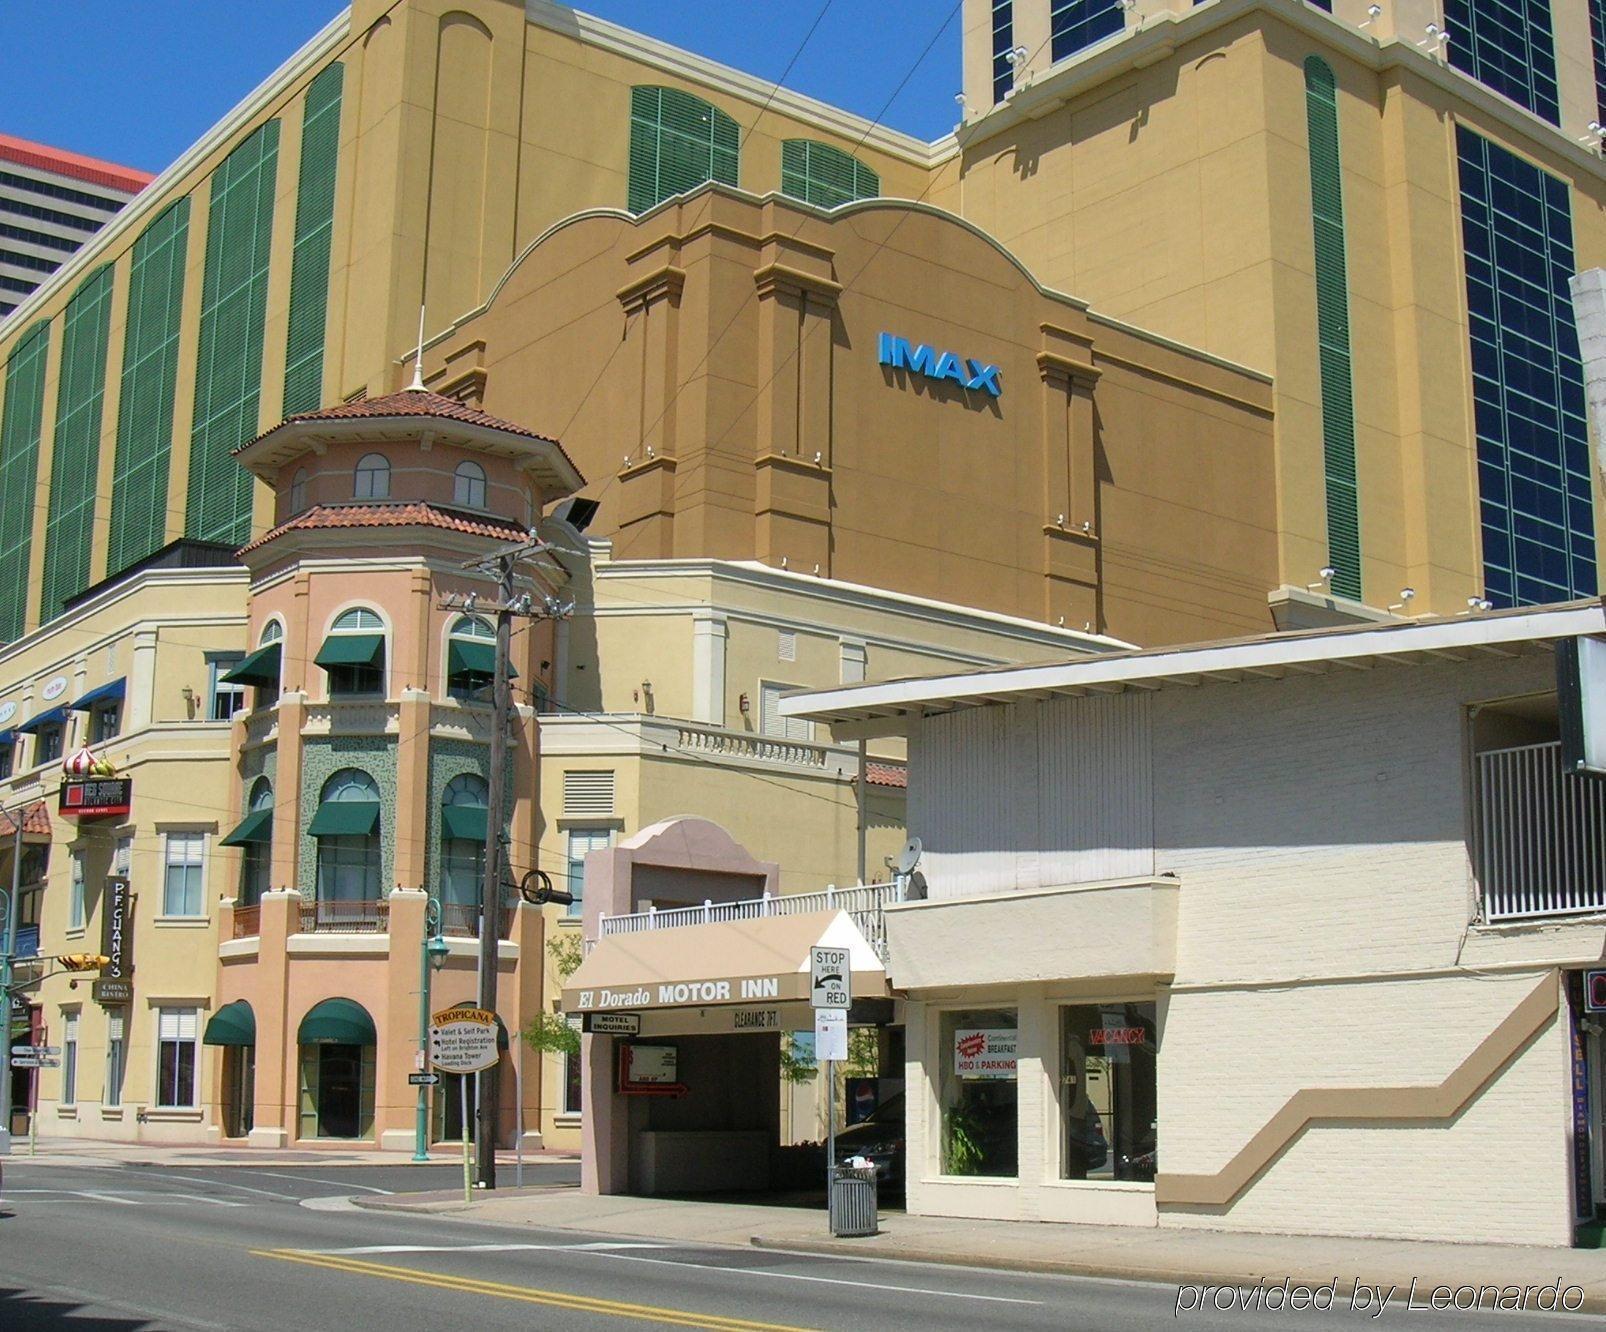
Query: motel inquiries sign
[[682, 994]]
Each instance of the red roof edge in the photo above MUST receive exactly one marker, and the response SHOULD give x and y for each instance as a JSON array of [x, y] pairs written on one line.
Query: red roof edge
[[92, 170]]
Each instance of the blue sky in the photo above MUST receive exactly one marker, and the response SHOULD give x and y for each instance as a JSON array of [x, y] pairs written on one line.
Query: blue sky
[[139, 82]]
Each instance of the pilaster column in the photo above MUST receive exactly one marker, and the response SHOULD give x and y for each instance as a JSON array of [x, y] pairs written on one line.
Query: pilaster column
[[710, 634], [1071, 550], [274, 1122]]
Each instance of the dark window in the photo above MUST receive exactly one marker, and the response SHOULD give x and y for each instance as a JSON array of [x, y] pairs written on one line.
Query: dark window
[[1003, 44], [39, 213], [47, 190], [47, 745], [1528, 380], [825, 176], [1108, 1091], [1597, 41], [1507, 45], [104, 722], [8, 758], [1076, 24], [64, 243]]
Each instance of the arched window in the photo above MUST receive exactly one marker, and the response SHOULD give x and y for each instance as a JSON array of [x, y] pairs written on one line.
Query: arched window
[[470, 657], [298, 491], [346, 827], [372, 478], [468, 486], [257, 859], [677, 142], [354, 654], [825, 176], [463, 821], [272, 636]]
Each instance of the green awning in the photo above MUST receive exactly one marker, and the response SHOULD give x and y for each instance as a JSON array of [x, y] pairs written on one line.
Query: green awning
[[254, 827], [467, 656], [351, 650], [337, 1022], [259, 668], [345, 818], [233, 1024], [464, 822]]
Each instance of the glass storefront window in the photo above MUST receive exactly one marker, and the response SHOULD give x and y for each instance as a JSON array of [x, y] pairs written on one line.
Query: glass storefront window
[[978, 1093], [1107, 1091]]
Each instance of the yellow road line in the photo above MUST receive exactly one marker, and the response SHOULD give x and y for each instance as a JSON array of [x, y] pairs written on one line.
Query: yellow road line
[[525, 1294]]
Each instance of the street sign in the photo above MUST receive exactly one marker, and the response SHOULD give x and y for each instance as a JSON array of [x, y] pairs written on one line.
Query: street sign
[[830, 978], [463, 1039], [831, 1034], [423, 1079], [613, 1024], [30, 1061], [36, 1049]]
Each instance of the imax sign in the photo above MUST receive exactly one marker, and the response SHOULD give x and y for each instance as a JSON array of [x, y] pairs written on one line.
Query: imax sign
[[920, 359]]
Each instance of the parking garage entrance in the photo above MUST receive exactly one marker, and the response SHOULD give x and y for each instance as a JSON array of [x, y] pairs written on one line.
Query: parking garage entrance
[[692, 1051]]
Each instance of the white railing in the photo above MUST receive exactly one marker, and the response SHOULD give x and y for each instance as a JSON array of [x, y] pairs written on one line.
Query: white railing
[[863, 902], [763, 748], [1541, 843]]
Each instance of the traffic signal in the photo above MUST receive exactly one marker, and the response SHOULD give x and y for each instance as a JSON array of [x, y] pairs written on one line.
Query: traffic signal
[[83, 961]]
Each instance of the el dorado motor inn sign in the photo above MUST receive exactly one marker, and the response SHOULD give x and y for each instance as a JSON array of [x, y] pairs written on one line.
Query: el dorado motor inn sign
[[674, 994]]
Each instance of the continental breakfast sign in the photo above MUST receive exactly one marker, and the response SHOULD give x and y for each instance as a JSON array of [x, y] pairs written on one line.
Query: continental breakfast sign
[[679, 994]]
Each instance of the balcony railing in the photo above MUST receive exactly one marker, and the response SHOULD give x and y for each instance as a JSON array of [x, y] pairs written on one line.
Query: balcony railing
[[345, 917], [247, 922], [1541, 845], [464, 921], [863, 902]]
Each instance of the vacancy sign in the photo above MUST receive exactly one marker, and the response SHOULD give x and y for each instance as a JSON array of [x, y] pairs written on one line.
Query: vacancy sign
[[463, 1040], [830, 977]]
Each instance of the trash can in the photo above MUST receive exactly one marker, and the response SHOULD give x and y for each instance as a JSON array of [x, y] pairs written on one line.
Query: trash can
[[853, 1201]]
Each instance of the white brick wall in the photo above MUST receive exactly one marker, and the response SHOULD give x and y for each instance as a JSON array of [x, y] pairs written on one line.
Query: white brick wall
[[1319, 828]]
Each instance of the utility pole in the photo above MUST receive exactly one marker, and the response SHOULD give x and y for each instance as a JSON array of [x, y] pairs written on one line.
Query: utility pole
[[7, 962], [504, 564]]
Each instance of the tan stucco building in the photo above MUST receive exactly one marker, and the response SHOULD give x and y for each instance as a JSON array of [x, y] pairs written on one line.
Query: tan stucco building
[[1173, 321]]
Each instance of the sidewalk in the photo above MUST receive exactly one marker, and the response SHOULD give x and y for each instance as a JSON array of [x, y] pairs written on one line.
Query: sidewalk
[[1168, 1256], [89, 1152]]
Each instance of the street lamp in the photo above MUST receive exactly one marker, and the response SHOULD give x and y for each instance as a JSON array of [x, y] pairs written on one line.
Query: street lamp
[[432, 952]]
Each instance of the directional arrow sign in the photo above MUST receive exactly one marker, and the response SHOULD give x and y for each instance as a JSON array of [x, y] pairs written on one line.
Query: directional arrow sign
[[463, 1039], [28, 1061], [423, 1079], [36, 1049]]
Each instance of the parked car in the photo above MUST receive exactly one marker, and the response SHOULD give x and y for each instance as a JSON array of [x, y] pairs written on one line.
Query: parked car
[[878, 1139]]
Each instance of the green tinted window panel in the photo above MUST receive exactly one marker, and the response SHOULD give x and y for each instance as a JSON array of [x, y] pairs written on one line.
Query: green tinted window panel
[[19, 469], [145, 400], [825, 176], [228, 369], [75, 455], [677, 142], [1332, 331], [309, 264]]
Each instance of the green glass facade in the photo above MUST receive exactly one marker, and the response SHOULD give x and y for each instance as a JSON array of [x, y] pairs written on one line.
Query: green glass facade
[[75, 455], [825, 176], [145, 400], [677, 142], [1332, 331], [19, 469], [309, 265], [228, 372]]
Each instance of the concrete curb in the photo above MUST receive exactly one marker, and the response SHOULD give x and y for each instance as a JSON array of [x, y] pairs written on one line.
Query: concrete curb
[[1593, 1304]]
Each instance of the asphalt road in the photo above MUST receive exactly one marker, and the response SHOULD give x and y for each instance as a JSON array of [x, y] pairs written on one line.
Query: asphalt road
[[160, 1249]]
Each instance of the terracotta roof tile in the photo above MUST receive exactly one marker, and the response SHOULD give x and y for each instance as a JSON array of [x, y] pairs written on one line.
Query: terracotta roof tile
[[414, 402], [35, 821], [399, 513], [887, 774]]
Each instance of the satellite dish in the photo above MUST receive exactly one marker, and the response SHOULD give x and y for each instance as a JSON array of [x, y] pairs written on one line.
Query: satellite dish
[[916, 889], [909, 857]]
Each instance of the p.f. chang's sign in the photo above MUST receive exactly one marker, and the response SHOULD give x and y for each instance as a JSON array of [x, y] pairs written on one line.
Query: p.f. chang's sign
[[115, 985], [95, 797]]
